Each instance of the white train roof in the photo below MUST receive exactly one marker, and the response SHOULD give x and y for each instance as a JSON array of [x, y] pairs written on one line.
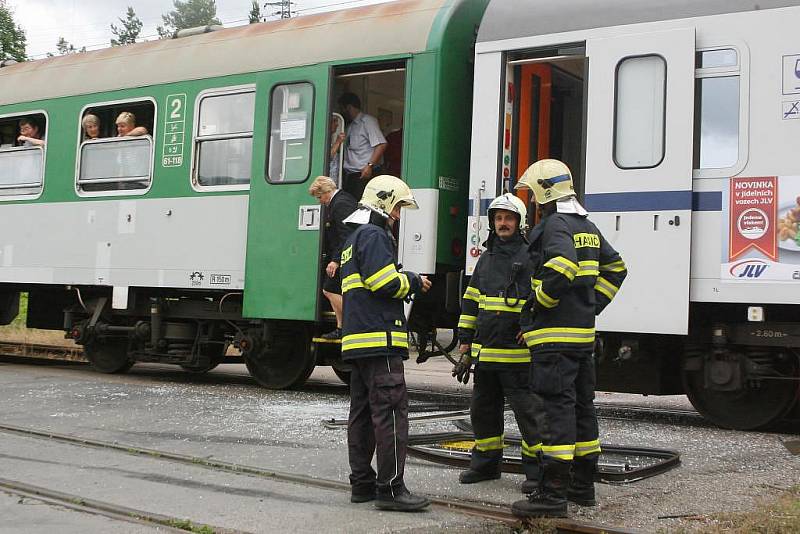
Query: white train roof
[[509, 19], [390, 28]]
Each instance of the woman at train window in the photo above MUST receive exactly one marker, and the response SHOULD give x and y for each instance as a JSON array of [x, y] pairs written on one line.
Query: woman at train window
[[91, 126], [29, 134], [126, 125]]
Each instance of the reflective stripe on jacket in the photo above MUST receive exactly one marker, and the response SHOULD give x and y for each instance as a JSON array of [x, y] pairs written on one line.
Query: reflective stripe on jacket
[[579, 275], [373, 290], [492, 302]]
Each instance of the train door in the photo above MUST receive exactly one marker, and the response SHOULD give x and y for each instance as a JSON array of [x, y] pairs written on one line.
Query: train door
[[638, 171], [547, 115], [380, 91], [292, 122]]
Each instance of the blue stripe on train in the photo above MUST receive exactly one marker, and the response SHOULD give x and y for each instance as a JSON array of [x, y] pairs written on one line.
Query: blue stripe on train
[[641, 201]]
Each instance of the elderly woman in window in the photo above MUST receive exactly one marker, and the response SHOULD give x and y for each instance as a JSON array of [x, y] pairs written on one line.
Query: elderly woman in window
[[126, 125], [29, 134], [91, 126]]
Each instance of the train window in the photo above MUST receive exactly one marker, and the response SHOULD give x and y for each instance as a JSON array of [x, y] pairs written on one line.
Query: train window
[[290, 127], [717, 109], [640, 111], [224, 139], [116, 150], [22, 142], [116, 164]]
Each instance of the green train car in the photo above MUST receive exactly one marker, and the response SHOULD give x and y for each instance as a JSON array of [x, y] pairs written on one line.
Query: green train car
[[173, 245]]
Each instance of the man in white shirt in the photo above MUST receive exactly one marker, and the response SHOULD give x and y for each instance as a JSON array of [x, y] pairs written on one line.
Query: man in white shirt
[[365, 146]]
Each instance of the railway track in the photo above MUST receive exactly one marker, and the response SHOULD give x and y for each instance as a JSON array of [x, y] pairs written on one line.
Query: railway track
[[41, 351], [476, 509]]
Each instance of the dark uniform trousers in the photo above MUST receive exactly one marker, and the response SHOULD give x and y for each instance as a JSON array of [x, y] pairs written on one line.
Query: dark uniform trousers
[[378, 423], [565, 381], [491, 386], [355, 184]]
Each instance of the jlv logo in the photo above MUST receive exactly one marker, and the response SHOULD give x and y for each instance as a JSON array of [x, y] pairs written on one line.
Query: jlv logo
[[752, 271], [748, 269]]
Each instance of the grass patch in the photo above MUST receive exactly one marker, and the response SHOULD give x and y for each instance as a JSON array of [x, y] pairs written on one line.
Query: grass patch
[[185, 524], [18, 332], [770, 517]]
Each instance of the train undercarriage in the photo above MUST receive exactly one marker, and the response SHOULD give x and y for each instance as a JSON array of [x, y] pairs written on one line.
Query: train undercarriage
[[738, 374]]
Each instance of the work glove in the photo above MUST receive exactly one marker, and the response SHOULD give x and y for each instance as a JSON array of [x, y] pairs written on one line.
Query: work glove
[[462, 369]]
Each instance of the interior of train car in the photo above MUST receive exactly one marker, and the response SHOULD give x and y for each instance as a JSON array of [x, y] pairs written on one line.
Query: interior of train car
[[544, 113]]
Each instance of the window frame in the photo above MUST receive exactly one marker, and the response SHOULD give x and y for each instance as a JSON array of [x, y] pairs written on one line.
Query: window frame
[[81, 142], [616, 115], [11, 198], [742, 70], [197, 139], [309, 128]]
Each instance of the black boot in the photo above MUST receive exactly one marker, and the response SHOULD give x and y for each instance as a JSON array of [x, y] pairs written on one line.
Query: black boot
[[472, 476], [581, 486], [333, 334], [362, 493], [400, 500], [532, 467], [551, 501]]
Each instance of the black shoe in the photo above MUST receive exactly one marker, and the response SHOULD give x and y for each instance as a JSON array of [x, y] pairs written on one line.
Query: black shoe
[[540, 504], [529, 486], [402, 501], [471, 476], [362, 497], [333, 334], [582, 496]]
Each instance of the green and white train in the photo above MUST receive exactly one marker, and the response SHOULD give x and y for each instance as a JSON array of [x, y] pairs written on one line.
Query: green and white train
[[168, 247], [679, 120]]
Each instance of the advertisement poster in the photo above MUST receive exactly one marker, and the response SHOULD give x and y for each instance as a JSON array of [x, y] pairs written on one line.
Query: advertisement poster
[[763, 230]]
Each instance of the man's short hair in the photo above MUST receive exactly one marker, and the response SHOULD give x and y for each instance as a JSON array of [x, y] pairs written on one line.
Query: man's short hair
[[350, 99], [30, 121], [321, 185]]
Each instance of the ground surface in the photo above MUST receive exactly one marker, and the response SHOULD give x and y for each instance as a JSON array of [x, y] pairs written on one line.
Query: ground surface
[[225, 416]]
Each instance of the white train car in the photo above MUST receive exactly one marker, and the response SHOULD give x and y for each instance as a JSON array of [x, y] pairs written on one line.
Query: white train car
[[680, 120]]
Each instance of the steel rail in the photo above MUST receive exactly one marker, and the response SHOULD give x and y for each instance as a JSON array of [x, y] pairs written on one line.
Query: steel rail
[[466, 507], [113, 511]]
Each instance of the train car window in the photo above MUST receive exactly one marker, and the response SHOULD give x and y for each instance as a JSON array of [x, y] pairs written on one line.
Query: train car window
[[717, 108], [224, 139], [22, 148], [116, 164], [640, 112], [290, 127], [116, 148]]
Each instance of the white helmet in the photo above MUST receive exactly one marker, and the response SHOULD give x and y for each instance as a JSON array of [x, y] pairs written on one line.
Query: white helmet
[[384, 192], [511, 203], [549, 179]]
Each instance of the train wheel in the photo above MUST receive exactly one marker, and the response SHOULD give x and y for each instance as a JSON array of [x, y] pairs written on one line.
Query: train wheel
[[108, 356], [288, 363], [758, 404]]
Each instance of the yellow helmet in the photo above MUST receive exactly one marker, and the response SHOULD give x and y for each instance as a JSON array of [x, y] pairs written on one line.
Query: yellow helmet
[[549, 179], [509, 202], [384, 192]]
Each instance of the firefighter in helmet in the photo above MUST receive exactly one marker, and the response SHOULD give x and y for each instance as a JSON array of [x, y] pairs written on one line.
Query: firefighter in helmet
[[489, 333], [375, 343], [579, 276]]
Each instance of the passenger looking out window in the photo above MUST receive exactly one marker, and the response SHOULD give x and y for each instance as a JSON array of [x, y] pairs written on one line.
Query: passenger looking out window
[[126, 125], [91, 126], [29, 133]]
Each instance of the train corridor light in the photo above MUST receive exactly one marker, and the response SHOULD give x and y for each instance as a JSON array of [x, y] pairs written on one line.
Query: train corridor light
[[755, 314]]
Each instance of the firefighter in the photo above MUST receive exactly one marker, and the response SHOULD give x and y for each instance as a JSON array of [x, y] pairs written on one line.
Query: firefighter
[[375, 343], [579, 276], [489, 333]]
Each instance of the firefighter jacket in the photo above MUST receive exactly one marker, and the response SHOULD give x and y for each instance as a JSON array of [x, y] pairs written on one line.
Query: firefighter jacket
[[492, 302], [373, 289], [579, 275]]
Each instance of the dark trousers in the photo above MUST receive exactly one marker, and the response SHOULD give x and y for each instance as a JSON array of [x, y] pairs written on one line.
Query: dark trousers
[[565, 381], [491, 389], [378, 423], [355, 185]]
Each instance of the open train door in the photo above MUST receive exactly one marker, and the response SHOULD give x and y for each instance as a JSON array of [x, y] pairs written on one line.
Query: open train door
[[638, 172]]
